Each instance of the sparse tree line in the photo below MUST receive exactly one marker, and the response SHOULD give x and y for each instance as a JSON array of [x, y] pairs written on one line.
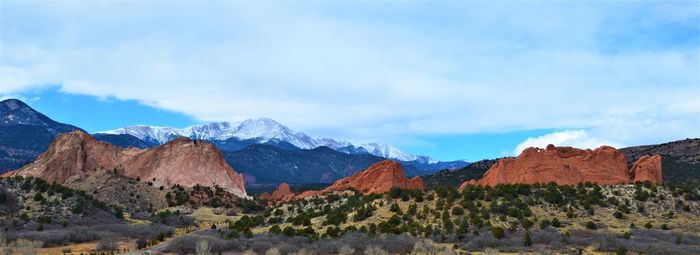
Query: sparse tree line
[[448, 215]]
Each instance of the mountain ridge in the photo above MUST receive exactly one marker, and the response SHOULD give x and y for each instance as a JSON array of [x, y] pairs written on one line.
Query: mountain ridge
[[263, 130], [25, 133]]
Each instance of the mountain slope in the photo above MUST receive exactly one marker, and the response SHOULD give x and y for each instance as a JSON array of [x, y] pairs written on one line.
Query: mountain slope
[[262, 163], [453, 178], [289, 163], [25, 133], [681, 159], [124, 141]]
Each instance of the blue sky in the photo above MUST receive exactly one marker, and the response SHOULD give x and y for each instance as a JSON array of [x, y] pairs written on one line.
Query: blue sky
[[453, 80]]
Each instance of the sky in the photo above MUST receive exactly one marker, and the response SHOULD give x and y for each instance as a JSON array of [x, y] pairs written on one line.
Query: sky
[[452, 80]]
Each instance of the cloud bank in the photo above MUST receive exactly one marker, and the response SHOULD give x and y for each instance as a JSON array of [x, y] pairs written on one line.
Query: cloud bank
[[627, 73]]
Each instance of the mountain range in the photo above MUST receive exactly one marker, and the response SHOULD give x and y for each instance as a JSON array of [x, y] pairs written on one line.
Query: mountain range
[[267, 152], [263, 150], [233, 136]]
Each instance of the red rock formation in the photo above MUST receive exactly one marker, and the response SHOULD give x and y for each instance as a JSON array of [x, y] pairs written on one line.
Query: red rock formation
[[181, 161], [467, 183], [282, 193], [378, 178], [265, 196], [647, 168], [565, 166]]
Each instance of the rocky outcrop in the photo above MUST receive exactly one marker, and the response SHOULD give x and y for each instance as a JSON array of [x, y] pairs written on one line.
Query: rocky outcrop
[[567, 166], [283, 192], [468, 183], [647, 168], [378, 178], [181, 161]]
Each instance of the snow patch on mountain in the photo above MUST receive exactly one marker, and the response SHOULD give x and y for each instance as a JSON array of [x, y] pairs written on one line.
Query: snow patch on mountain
[[263, 130]]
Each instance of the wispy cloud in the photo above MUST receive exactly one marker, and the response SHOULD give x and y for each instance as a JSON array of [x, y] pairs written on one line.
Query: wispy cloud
[[626, 72]]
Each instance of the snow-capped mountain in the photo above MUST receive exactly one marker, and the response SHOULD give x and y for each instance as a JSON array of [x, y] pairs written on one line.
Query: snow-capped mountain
[[262, 130], [386, 151], [150, 134]]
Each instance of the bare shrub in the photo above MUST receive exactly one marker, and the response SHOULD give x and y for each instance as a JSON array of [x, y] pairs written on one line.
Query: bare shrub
[[261, 244], [375, 250], [272, 251], [53, 236], [188, 244], [545, 236], [107, 244], [607, 243], [582, 237], [480, 242], [24, 247], [492, 251], [355, 240], [396, 244], [425, 247], [203, 247], [58, 237], [346, 250], [654, 241], [304, 251]]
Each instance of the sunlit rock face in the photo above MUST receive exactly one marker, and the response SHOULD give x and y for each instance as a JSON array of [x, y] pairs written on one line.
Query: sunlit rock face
[[569, 166], [378, 178], [181, 161]]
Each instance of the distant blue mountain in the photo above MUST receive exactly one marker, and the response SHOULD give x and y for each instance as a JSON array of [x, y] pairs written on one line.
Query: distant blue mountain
[[25, 133], [124, 140], [264, 163]]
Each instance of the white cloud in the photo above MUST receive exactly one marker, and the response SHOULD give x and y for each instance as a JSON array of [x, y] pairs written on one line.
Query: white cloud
[[575, 138], [368, 71]]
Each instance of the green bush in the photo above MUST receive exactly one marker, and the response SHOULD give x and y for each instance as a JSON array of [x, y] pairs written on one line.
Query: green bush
[[528, 239], [275, 230], [621, 250], [498, 232], [591, 225], [556, 223], [289, 231], [395, 208], [458, 211], [618, 215]]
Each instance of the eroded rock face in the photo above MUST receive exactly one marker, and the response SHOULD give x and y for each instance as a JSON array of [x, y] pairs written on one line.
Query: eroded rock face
[[467, 183], [282, 193], [647, 168], [378, 178], [181, 161], [565, 166]]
